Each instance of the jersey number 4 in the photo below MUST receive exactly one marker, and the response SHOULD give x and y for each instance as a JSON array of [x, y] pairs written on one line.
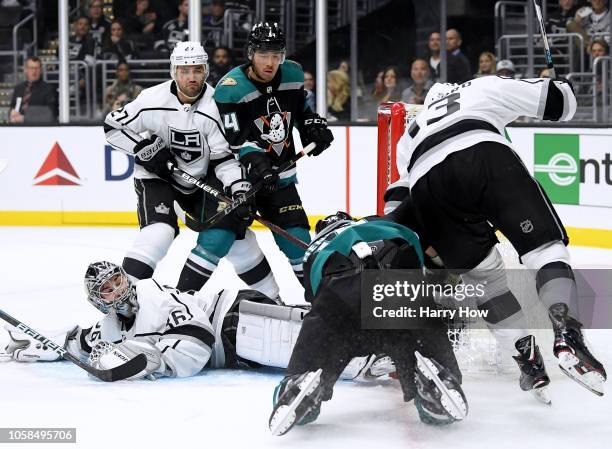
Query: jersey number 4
[[446, 106], [230, 122]]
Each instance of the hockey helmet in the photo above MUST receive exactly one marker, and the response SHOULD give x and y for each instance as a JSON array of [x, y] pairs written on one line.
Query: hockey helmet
[[437, 91], [188, 53], [326, 223], [266, 36], [106, 278]]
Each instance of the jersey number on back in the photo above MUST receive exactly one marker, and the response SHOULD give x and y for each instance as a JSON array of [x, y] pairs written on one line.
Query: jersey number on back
[[446, 106]]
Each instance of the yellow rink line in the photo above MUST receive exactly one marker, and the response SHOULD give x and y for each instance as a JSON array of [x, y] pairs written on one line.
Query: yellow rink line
[[596, 238]]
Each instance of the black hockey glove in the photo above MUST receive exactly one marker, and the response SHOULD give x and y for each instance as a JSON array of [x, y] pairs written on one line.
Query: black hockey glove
[[153, 156], [315, 130], [259, 168], [245, 210]]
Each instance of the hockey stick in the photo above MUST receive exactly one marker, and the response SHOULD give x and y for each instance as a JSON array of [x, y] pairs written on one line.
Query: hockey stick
[[221, 197], [537, 4], [232, 205], [129, 369]]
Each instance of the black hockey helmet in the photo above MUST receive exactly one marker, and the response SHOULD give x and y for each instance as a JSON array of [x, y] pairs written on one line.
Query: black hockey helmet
[[331, 219], [266, 36]]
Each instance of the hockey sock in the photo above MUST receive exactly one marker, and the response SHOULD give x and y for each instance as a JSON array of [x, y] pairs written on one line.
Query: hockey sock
[[150, 246], [293, 252], [556, 284]]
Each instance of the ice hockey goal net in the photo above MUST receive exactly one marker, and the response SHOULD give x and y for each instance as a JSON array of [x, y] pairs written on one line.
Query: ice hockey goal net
[[476, 349]]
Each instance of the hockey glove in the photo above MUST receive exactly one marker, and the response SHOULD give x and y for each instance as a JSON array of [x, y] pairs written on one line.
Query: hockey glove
[[153, 156], [107, 355], [237, 191], [315, 130], [258, 168], [23, 348]]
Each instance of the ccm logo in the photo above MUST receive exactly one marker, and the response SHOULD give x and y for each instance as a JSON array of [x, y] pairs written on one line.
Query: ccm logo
[[284, 209]]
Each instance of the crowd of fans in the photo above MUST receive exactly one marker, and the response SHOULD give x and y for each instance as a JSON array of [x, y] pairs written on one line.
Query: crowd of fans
[[149, 29]]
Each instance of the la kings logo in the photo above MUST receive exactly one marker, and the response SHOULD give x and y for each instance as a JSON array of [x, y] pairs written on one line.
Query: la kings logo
[[187, 145], [274, 127]]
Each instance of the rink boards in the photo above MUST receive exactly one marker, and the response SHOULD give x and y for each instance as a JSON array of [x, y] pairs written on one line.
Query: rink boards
[[67, 175]]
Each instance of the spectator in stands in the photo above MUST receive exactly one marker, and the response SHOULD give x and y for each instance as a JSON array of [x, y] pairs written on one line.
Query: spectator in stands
[[142, 20], [99, 26], [338, 96], [557, 22], [212, 23], [345, 66], [486, 64], [391, 91], [123, 90], [419, 74], [590, 21], [505, 67], [117, 46], [309, 87], [175, 30], [599, 47], [458, 67], [33, 100], [434, 54], [221, 64], [81, 46]]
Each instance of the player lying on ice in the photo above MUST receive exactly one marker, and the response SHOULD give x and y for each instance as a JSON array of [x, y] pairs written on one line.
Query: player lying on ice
[[463, 180], [180, 333], [331, 333]]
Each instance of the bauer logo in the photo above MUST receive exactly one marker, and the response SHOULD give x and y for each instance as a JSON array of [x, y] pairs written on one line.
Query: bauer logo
[[574, 169], [56, 170]]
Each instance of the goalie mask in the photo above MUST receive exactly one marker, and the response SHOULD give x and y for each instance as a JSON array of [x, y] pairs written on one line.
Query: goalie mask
[[108, 287], [331, 222]]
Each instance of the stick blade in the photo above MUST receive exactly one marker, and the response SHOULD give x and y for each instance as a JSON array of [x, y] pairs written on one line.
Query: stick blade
[[121, 372]]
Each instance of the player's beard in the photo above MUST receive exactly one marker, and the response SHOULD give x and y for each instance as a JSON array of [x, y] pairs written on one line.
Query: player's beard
[[192, 89]]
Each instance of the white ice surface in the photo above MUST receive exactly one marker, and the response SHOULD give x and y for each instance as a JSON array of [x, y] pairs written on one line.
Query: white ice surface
[[41, 273]]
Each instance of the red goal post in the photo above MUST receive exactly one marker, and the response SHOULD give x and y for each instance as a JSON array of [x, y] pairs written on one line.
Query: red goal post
[[392, 118]]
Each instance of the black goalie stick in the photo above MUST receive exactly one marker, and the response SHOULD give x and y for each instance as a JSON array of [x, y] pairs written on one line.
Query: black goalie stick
[[537, 4], [129, 369]]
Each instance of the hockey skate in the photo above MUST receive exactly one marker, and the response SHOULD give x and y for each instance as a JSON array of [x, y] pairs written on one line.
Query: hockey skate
[[533, 372], [570, 347], [440, 399], [297, 400]]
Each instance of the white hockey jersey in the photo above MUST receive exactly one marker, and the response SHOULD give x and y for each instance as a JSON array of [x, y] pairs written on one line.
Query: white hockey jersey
[[192, 132], [185, 328], [476, 111]]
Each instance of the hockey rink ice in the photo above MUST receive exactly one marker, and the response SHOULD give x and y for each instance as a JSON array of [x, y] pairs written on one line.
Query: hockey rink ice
[[41, 272]]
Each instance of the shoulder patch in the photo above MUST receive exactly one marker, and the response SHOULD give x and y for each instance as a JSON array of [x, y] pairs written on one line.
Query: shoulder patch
[[229, 82]]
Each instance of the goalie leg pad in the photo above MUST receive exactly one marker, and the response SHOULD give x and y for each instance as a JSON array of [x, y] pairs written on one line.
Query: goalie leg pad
[[267, 333]]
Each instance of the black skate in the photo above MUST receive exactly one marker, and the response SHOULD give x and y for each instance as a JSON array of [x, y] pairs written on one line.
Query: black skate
[[297, 400], [533, 372], [440, 399], [570, 347]]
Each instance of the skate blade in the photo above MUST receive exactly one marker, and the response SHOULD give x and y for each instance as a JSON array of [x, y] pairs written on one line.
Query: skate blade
[[451, 400], [591, 380], [283, 418], [541, 394]]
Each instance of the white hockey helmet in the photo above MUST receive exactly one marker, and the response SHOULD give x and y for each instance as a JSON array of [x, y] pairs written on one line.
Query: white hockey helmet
[[437, 91], [102, 278], [188, 53]]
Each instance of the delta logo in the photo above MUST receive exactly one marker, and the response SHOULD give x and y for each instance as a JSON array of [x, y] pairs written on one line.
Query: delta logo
[[56, 170]]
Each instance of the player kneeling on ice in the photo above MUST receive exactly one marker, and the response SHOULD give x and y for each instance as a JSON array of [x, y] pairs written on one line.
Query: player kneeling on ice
[[180, 333], [331, 333]]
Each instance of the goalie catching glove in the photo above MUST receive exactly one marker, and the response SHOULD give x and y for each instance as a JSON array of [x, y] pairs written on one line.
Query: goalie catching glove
[[315, 130], [153, 156], [107, 355]]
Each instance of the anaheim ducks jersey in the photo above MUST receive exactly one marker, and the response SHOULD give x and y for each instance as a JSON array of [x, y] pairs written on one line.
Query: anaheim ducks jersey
[[261, 116], [192, 132], [478, 111], [185, 328]]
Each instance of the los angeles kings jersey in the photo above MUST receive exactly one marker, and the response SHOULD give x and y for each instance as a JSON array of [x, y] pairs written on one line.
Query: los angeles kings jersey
[[477, 111], [261, 116], [192, 132], [185, 328]]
